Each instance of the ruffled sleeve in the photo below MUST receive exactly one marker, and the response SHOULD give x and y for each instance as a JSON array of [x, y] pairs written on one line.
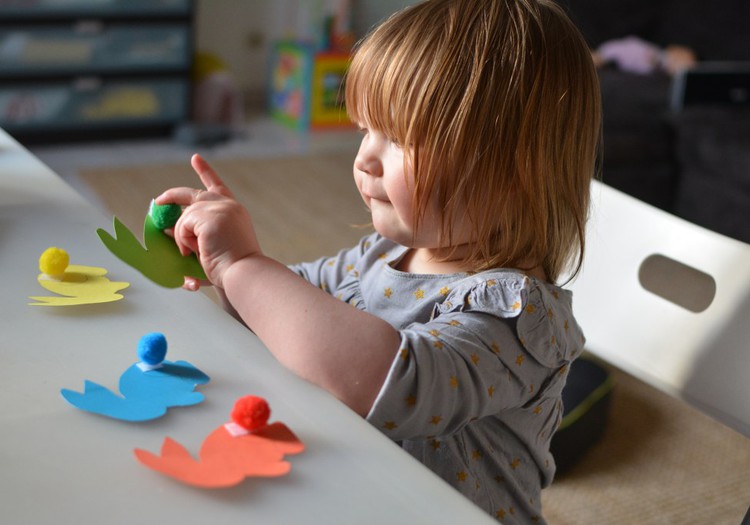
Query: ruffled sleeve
[[479, 355]]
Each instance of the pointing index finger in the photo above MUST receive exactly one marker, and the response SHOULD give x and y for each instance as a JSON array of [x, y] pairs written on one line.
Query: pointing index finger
[[208, 176]]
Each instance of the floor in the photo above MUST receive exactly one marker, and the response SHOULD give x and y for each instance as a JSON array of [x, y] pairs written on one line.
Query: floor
[[260, 137]]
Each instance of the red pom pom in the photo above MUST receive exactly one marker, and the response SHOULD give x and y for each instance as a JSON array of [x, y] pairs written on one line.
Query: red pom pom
[[251, 412]]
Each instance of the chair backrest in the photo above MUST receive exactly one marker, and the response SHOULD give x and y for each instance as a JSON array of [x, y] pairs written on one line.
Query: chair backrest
[[668, 302]]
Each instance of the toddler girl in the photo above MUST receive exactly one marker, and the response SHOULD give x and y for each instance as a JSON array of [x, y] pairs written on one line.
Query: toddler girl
[[445, 327]]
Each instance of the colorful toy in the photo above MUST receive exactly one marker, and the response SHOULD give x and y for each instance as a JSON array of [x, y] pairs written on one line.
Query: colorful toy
[[76, 283], [148, 388], [160, 260], [245, 447], [306, 88]]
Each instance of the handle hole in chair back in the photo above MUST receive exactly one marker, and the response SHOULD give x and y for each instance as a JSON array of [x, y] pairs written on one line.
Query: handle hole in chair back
[[676, 282], [668, 302]]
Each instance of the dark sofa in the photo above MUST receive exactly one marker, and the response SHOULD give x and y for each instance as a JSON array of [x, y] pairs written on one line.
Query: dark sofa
[[694, 163]]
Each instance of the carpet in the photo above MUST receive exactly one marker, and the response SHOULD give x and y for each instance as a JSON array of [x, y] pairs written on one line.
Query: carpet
[[302, 207], [660, 461]]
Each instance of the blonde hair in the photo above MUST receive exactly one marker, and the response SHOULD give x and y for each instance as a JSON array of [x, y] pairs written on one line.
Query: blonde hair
[[498, 104]]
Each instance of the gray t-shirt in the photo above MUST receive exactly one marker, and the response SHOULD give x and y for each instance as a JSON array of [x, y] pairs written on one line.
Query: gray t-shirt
[[474, 389]]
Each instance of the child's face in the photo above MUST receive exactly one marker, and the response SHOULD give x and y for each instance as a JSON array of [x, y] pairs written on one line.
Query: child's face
[[386, 185]]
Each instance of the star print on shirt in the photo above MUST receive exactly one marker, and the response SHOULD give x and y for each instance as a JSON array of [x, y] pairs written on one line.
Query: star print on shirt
[[388, 292], [419, 294]]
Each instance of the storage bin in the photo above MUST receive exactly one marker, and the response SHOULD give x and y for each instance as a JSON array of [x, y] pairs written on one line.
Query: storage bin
[[92, 102], [87, 47]]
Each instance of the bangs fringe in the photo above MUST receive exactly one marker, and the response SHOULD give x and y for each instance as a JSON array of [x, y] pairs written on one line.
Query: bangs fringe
[[497, 103]]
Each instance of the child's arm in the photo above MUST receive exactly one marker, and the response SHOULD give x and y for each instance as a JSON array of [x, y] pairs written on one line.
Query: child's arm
[[320, 338]]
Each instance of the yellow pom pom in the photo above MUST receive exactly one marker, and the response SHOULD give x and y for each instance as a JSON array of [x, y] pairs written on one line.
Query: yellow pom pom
[[54, 261]]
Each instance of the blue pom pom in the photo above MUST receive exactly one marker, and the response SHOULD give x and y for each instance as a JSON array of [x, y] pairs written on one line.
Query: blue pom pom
[[152, 348]]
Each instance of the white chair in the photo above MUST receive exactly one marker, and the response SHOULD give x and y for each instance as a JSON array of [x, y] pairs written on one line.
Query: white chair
[[698, 351]]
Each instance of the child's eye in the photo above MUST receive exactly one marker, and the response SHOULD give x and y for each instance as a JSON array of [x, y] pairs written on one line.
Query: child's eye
[[397, 144]]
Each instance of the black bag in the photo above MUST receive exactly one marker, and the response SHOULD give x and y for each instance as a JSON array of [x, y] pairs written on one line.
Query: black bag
[[586, 400]]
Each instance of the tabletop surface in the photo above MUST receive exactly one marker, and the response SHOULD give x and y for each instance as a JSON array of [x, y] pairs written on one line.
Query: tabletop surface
[[60, 464]]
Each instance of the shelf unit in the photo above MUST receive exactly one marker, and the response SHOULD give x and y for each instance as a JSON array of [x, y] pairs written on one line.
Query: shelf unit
[[94, 69]]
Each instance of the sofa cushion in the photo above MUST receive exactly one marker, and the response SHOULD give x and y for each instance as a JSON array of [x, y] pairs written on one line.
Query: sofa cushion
[[713, 151], [713, 144], [600, 20], [713, 30]]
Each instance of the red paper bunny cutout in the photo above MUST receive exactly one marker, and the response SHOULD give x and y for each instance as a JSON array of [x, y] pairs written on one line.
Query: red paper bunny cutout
[[246, 447]]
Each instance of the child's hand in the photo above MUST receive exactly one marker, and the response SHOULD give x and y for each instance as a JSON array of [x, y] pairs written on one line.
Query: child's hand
[[213, 225]]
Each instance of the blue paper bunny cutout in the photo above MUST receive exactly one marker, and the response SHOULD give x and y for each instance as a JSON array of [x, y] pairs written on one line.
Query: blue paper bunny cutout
[[147, 388]]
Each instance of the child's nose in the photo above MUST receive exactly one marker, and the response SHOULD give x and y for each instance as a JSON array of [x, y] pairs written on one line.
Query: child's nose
[[367, 162]]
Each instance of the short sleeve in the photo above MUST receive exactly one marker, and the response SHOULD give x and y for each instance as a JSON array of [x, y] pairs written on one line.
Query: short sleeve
[[328, 272], [464, 364]]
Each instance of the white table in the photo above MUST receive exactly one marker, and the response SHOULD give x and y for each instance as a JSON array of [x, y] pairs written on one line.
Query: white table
[[62, 465]]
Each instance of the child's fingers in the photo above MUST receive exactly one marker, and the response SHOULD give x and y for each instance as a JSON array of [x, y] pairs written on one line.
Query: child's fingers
[[185, 238], [192, 284], [208, 176], [181, 196], [184, 196], [184, 232]]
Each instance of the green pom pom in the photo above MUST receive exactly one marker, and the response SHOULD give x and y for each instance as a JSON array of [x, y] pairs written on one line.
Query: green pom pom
[[164, 215]]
